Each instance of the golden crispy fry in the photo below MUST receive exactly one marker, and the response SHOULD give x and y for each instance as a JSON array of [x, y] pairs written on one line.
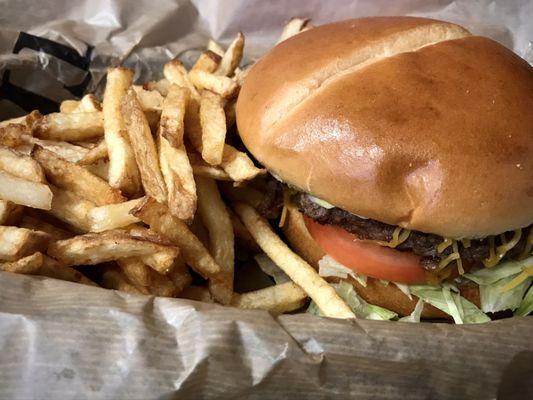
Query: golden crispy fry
[[148, 234], [75, 178], [23, 192], [13, 135], [301, 273], [150, 100], [197, 293], [65, 150], [143, 146], [27, 265], [201, 168], [112, 216], [224, 86], [10, 212], [176, 74], [20, 242], [208, 61], [240, 75], [213, 122], [221, 241], [136, 271], [277, 299], [179, 275], [194, 253], [123, 171], [52, 269], [20, 165], [215, 48], [115, 279], [68, 106], [70, 127], [162, 261], [161, 86], [240, 232], [31, 221], [161, 285], [96, 248], [100, 169], [238, 165], [293, 27], [89, 103], [232, 57], [71, 208], [175, 167], [97, 153]]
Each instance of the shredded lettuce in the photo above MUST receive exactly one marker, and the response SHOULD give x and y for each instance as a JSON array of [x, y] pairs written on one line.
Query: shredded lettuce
[[488, 276], [526, 307], [445, 299], [327, 266], [416, 314], [360, 308], [270, 268], [494, 299]]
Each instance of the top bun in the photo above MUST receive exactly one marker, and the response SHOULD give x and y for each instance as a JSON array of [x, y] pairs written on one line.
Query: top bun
[[409, 121]]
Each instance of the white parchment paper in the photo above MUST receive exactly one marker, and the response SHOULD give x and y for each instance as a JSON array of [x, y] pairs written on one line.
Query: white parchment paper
[[65, 341]]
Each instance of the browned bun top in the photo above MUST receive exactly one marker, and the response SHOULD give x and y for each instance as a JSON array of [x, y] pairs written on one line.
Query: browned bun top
[[409, 121], [389, 297]]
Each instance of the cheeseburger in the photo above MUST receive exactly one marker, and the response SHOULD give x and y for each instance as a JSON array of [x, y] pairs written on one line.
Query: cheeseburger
[[405, 148]]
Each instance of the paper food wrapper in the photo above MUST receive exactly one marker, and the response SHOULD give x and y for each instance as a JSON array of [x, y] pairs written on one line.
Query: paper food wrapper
[[63, 340]]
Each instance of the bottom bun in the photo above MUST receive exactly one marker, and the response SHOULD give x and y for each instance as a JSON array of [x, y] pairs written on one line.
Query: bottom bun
[[389, 297]]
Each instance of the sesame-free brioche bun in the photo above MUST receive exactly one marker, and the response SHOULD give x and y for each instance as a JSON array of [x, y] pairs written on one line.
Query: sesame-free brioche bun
[[389, 297], [409, 121]]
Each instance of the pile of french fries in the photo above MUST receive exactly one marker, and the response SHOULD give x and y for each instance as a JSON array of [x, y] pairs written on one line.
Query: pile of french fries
[[129, 188]]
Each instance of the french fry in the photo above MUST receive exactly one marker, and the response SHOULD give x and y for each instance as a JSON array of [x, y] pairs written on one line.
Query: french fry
[[194, 253], [23, 192], [277, 299], [176, 74], [175, 167], [20, 242], [240, 231], [180, 276], [232, 57], [163, 260], [10, 212], [75, 178], [238, 165], [143, 147], [213, 122], [208, 61], [147, 234], [136, 271], [123, 171], [65, 150], [293, 27], [112, 216], [150, 100], [71, 208], [193, 127], [161, 285], [68, 106], [69, 126], [161, 86], [96, 248], [52, 269], [224, 86], [115, 279], [100, 169], [20, 165], [89, 103], [221, 241], [201, 168], [13, 135], [215, 48], [32, 222], [97, 153], [26, 265], [197, 293], [301, 273]]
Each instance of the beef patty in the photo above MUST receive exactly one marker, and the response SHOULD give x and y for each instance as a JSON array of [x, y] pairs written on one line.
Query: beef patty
[[422, 244]]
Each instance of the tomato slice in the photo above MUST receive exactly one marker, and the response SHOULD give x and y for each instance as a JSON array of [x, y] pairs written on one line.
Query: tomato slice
[[367, 258]]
